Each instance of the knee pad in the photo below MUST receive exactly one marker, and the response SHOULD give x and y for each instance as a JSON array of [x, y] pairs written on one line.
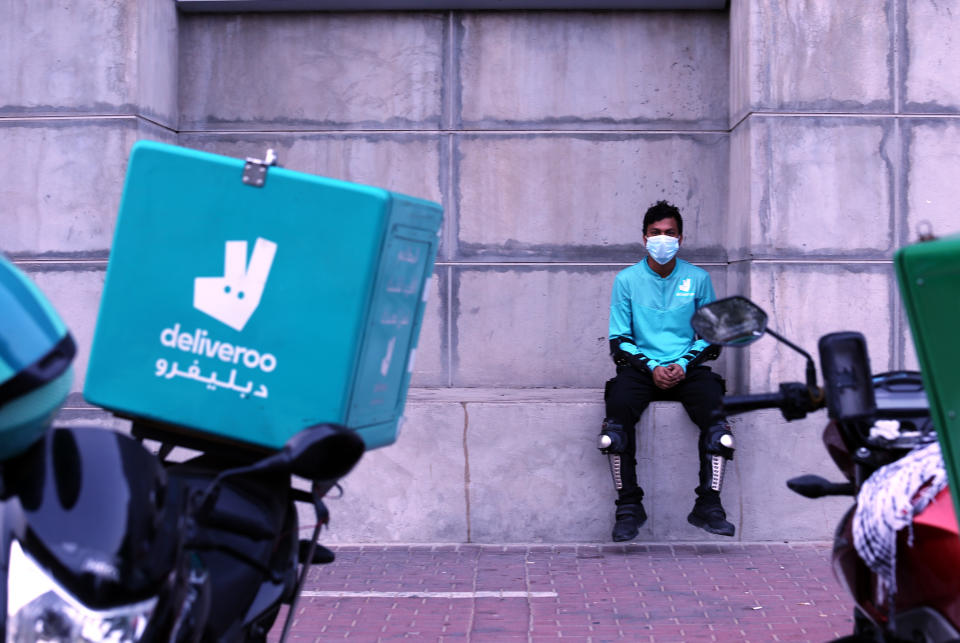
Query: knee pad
[[718, 440], [613, 443], [613, 437]]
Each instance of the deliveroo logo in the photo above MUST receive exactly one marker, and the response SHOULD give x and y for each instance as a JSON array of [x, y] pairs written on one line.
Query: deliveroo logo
[[234, 297]]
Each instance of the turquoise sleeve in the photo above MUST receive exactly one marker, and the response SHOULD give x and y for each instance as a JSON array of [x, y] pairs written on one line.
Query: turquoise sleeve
[[698, 347], [620, 315]]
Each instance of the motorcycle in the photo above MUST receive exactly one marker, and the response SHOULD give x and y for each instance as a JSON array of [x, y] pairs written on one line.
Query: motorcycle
[[899, 570], [101, 539], [205, 549]]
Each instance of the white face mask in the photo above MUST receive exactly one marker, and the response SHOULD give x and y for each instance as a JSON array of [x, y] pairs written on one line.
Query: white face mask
[[662, 248]]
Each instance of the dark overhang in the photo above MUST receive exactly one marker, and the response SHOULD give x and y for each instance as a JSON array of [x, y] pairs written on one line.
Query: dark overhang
[[444, 5]]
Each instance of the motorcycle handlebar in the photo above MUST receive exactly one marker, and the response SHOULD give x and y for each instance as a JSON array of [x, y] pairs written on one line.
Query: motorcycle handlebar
[[794, 399], [742, 403]]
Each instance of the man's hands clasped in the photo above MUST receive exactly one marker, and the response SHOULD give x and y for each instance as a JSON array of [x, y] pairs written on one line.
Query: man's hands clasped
[[668, 376]]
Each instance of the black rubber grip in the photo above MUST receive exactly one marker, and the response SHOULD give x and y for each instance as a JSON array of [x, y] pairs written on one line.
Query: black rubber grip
[[742, 403]]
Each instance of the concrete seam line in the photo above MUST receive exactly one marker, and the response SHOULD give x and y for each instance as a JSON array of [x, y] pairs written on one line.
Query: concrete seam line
[[526, 581], [466, 467], [449, 595]]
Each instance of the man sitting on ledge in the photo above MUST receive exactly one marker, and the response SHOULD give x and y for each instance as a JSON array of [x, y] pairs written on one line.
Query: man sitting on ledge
[[659, 357]]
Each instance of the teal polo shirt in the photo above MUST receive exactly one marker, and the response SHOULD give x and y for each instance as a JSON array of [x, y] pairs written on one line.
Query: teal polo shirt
[[655, 311]]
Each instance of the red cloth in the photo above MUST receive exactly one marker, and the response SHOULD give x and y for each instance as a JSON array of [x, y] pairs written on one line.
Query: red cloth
[[940, 513]]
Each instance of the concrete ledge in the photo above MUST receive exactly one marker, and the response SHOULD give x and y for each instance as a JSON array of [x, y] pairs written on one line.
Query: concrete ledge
[[488, 395], [491, 465]]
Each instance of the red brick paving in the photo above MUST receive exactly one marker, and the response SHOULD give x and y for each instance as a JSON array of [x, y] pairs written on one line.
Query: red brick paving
[[636, 592]]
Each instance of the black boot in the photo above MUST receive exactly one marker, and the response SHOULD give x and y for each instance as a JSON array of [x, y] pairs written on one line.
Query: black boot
[[630, 517], [708, 514]]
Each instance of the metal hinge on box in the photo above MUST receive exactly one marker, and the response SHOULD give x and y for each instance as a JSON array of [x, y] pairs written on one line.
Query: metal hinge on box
[[255, 170]]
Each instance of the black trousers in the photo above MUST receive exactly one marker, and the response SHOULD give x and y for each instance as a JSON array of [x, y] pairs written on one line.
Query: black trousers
[[631, 391]]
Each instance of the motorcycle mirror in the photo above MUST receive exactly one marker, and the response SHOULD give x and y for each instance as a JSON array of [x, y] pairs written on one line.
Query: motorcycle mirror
[[323, 452], [320, 452], [737, 321], [846, 376], [732, 321]]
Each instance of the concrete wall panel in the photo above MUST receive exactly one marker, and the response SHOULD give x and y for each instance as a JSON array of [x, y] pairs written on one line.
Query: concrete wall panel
[[769, 452], [536, 474], [411, 491], [743, 193], [62, 183], [812, 173], [74, 290], [820, 55], [157, 60], [932, 47], [526, 327], [408, 163], [806, 301], [660, 70], [122, 60], [933, 192], [308, 71], [61, 68], [534, 197], [741, 63]]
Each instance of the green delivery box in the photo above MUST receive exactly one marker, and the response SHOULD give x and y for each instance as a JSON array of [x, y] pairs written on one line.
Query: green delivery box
[[244, 302], [929, 278]]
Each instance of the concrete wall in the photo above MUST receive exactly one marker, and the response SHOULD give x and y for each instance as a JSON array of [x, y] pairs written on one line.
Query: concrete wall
[[843, 125], [803, 141]]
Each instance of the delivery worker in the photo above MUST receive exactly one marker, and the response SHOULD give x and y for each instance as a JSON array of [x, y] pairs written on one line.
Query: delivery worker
[[659, 357]]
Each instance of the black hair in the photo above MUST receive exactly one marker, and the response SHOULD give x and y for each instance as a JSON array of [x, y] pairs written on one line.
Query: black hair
[[662, 210]]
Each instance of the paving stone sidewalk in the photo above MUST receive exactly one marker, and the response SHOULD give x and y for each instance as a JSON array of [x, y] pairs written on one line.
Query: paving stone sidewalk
[[635, 592]]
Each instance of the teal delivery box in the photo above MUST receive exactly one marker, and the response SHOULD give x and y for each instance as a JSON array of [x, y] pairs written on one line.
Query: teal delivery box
[[929, 277], [245, 302]]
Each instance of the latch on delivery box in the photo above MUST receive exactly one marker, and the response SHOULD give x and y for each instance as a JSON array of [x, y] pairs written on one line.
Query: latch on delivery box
[[255, 170]]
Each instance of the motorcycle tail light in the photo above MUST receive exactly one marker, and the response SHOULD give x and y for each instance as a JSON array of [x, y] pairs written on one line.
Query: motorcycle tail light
[[39, 610]]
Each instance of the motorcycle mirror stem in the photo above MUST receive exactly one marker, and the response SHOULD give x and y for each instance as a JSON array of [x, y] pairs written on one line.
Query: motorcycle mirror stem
[[811, 368]]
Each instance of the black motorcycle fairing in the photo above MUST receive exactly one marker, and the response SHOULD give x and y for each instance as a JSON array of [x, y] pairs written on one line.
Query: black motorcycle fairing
[[94, 502]]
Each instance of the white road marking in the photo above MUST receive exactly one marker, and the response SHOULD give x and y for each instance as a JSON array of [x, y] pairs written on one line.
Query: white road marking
[[501, 594]]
